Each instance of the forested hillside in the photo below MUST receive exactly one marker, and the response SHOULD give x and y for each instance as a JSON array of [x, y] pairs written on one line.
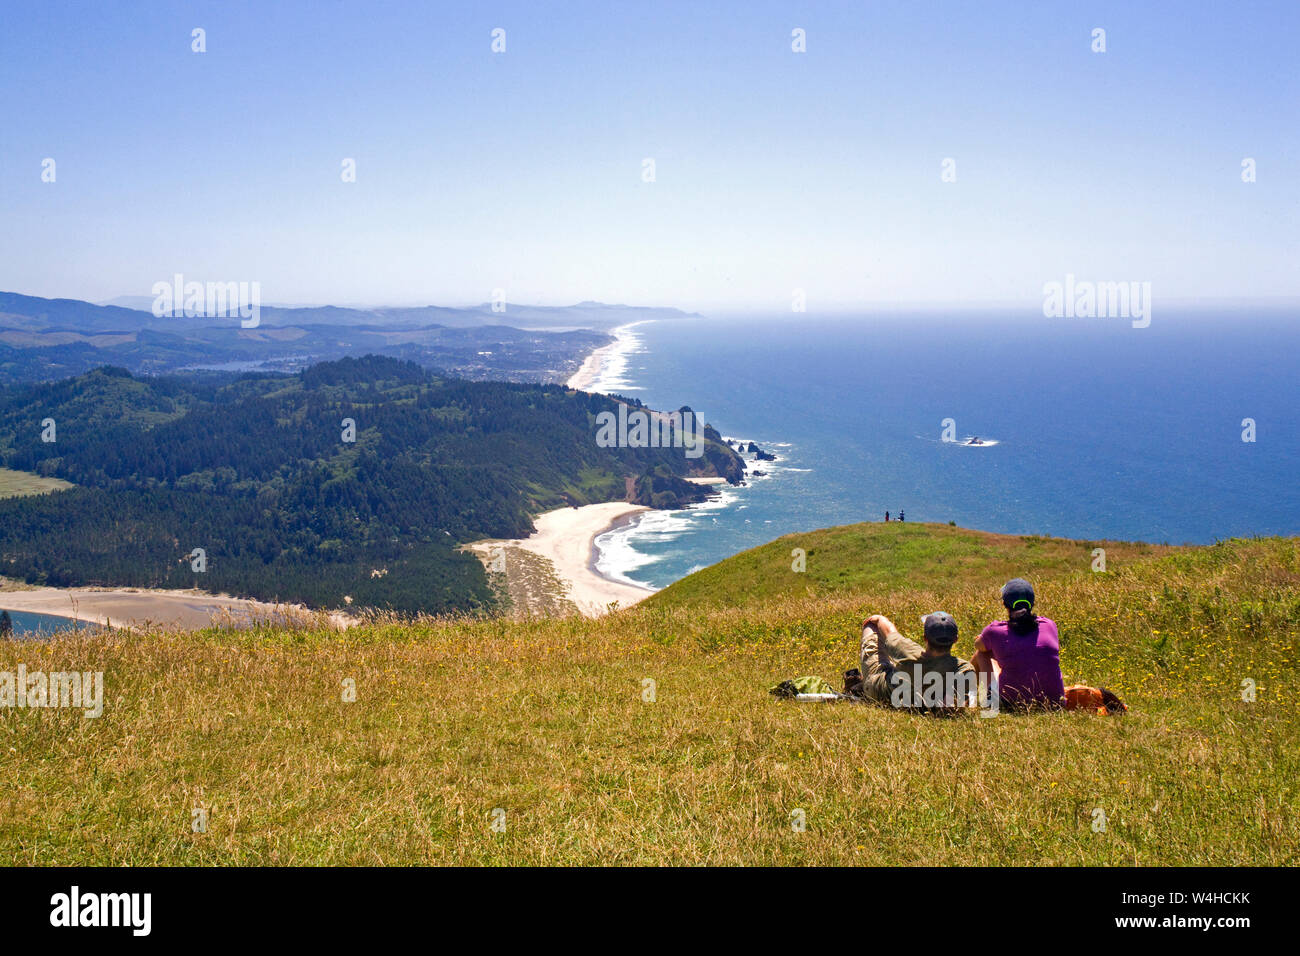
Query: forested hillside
[[287, 500]]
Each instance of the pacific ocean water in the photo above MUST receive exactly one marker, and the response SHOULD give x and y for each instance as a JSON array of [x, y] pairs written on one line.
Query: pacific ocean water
[[29, 624], [1102, 430]]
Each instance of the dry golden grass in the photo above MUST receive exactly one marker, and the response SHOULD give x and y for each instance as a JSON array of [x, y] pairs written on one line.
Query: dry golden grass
[[546, 720], [17, 484]]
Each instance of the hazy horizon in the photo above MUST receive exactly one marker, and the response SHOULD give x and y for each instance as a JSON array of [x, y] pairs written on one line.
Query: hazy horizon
[[775, 171]]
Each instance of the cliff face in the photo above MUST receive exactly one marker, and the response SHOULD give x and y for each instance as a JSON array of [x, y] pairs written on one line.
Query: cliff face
[[660, 488], [719, 459], [666, 485]]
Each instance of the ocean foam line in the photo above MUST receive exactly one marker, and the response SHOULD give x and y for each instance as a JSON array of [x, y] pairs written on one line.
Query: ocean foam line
[[618, 557], [771, 469], [612, 362], [617, 554]]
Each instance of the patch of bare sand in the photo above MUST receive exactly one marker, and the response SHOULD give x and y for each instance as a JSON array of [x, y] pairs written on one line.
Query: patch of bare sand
[[566, 539], [139, 607]]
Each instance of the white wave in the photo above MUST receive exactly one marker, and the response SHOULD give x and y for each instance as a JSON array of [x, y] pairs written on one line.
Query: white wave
[[616, 555], [617, 552], [726, 496], [615, 368]]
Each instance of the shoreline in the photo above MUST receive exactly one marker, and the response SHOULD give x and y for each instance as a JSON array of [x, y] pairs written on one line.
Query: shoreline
[[566, 539], [595, 364], [618, 524], [153, 607]]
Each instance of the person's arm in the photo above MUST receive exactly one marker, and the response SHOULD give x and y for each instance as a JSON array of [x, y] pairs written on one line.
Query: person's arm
[[967, 672], [877, 668], [898, 647], [985, 664], [982, 661], [882, 624]]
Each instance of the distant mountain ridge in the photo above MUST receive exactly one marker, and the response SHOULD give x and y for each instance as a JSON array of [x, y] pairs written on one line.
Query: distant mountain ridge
[[589, 313], [48, 339]]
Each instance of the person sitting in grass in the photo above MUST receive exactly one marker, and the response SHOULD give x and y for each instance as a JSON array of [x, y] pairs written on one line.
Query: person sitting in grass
[[1024, 654], [1026, 649], [901, 673]]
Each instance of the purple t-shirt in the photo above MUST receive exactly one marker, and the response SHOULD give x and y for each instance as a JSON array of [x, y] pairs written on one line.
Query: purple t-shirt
[[1030, 661]]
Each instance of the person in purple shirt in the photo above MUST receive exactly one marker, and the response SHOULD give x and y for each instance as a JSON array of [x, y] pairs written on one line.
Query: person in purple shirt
[[1026, 649]]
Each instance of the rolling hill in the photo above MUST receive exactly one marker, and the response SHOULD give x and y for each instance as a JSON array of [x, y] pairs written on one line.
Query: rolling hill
[[880, 557], [647, 736]]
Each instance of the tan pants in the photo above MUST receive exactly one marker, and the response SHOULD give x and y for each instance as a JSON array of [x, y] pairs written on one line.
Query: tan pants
[[875, 681]]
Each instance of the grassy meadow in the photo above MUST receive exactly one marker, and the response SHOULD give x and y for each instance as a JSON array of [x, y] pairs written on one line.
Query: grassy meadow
[[552, 722], [18, 484]]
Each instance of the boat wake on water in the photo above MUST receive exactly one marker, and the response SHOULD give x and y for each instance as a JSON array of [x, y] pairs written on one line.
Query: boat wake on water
[[970, 441]]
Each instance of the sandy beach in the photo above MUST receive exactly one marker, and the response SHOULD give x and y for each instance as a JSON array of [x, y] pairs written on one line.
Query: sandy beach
[[588, 376], [566, 539], [565, 542], [591, 367], [139, 607]]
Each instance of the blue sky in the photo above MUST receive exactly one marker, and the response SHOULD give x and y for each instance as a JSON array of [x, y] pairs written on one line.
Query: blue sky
[[774, 170]]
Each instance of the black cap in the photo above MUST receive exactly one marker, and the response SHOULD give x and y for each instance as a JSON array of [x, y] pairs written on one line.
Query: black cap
[[1017, 589], [940, 629]]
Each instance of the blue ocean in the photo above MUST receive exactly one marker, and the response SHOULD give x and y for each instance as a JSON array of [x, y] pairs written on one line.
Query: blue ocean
[[1092, 429], [29, 624]]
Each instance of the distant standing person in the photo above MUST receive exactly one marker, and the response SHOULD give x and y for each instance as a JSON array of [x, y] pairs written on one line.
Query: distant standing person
[[886, 517], [900, 514]]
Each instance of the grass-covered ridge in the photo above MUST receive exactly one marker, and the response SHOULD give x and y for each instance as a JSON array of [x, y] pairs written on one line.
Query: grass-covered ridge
[[547, 719], [876, 558]]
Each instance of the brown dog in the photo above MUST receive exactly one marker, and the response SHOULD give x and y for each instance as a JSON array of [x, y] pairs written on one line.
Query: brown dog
[[1097, 699]]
